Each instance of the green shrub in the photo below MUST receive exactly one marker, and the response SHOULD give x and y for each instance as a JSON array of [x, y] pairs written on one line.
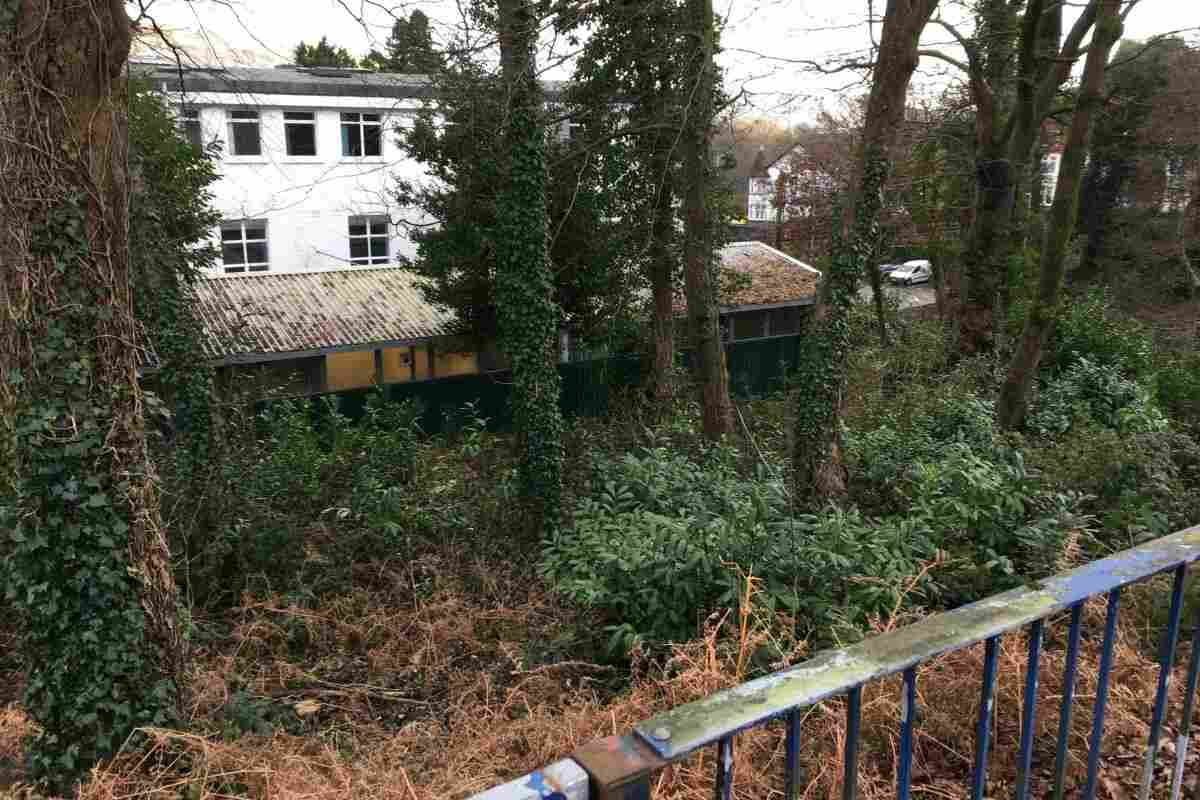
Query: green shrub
[[1091, 329], [1099, 392], [1177, 386], [295, 474], [993, 512], [1140, 484], [656, 543], [880, 458]]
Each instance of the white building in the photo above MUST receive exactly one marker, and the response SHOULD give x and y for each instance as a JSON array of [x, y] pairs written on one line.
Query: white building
[[308, 161]]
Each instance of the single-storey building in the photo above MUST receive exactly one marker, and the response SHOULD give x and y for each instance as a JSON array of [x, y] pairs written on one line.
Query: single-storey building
[[347, 328]]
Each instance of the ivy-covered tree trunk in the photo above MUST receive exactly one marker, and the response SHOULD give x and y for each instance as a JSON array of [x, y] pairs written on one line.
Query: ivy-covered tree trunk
[[817, 470], [985, 260], [527, 315], [1014, 394], [86, 563], [699, 268]]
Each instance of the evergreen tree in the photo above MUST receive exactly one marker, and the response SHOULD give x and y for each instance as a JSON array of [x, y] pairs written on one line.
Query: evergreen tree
[[462, 149], [627, 86], [409, 48], [323, 54]]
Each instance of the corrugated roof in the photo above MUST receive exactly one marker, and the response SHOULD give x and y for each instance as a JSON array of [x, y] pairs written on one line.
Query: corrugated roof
[[756, 274], [276, 314]]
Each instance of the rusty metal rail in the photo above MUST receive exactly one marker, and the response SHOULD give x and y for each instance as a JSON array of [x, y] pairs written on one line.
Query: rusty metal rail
[[620, 767]]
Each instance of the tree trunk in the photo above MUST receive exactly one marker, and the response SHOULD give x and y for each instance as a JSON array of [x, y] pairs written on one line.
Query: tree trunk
[[1190, 276], [88, 561], [662, 287], [876, 281], [817, 470], [526, 310], [1006, 143], [1014, 394], [699, 270], [985, 260]]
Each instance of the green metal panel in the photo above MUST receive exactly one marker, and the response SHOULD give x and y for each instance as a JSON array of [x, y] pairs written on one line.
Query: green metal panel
[[756, 368]]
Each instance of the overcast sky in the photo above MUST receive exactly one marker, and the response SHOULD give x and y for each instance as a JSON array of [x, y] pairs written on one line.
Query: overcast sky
[[761, 38]]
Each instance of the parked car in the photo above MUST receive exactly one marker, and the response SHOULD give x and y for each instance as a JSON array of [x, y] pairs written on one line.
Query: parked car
[[888, 269], [911, 272]]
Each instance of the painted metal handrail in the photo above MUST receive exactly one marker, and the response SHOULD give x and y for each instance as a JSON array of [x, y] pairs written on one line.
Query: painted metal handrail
[[619, 767]]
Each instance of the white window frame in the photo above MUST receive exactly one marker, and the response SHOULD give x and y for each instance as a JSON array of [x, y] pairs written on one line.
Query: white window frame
[[247, 265], [189, 121], [310, 121], [370, 220], [760, 208], [360, 124], [245, 119], [1050, 169]]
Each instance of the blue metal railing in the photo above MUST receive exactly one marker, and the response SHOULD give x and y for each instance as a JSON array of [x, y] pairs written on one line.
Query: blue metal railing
[[619, 768]]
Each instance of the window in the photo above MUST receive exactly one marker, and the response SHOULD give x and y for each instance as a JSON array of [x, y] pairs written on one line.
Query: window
[[1049, 178], [1175, 196], [362, 135], [244, 245], [189, 126], [290, 377], [784, 321], [369, 240], [749, 325], [760, 208], [300, 133], [244, 138]]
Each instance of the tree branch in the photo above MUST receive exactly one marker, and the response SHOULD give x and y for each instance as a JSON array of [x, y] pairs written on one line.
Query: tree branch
[[940, 56]]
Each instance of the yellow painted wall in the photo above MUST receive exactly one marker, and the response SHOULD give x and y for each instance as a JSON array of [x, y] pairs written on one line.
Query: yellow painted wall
[[397, 364], [422, 362], [448, 364], [349, 370]]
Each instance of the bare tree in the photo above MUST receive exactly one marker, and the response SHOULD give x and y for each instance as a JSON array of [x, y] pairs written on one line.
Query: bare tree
[[817, 465], [1014, 394], [1011, 103]]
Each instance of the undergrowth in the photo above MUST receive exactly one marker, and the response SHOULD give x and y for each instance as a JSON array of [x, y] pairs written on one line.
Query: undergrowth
[[366, 623]]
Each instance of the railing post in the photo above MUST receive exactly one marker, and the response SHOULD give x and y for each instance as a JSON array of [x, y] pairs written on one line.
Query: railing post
[[618, 767]]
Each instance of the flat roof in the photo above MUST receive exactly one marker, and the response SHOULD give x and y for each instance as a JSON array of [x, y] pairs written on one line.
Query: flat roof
[[295, 80]]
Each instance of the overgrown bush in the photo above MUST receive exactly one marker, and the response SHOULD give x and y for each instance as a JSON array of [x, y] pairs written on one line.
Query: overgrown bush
[[1099, 392], [295, 472], [658, 543], [1177, 386], [1091, 329], [880, 457]]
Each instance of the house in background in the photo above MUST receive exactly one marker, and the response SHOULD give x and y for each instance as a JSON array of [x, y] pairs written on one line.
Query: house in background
[[763, 189], [348, 328], [307, 160], [306, 295]]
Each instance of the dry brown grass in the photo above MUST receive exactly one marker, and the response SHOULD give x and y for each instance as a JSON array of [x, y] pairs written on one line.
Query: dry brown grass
[[432, 697]]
